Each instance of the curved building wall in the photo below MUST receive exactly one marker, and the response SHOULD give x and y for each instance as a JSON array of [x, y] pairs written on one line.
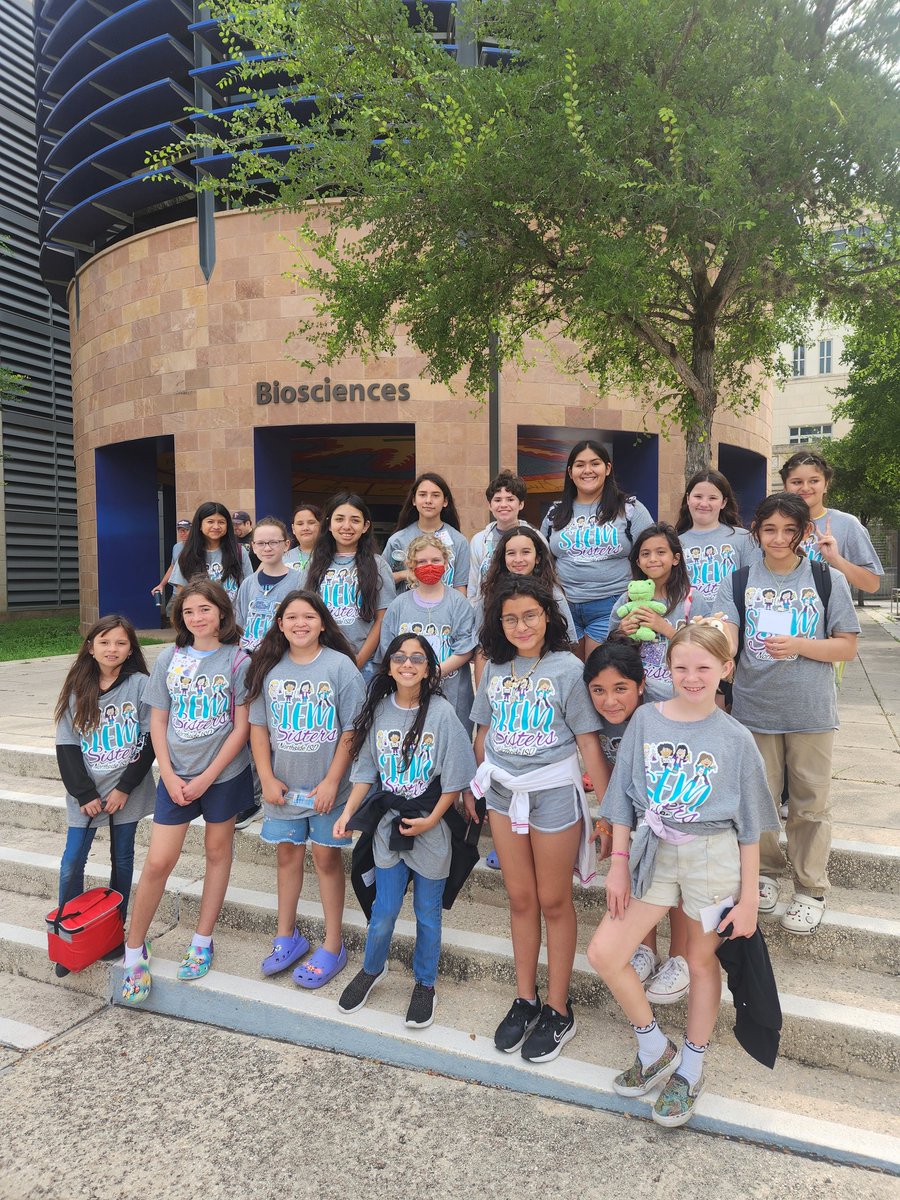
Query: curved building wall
[[169, 370]]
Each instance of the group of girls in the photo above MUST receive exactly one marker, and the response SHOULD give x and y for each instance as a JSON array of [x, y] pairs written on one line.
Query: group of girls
[[357, 703]]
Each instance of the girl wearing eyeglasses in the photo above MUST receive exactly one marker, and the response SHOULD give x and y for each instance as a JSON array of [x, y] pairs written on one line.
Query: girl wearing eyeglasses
[[260, 594], [534, 715], [409, 742]]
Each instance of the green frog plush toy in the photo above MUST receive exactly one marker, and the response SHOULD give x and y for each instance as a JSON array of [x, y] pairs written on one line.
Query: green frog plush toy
[[640, 595]]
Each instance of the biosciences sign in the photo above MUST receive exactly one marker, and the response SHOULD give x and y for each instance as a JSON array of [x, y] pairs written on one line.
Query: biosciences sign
[[323, 393]]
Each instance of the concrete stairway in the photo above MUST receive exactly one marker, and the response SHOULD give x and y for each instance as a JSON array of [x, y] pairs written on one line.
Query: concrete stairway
[[834, 1091]]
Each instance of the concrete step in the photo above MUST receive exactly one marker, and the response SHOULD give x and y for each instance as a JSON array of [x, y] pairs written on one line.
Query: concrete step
[[30, 804], [822, 1112], [856, 1028]]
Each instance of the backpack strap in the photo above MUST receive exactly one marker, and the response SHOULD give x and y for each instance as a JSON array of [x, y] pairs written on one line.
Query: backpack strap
[[629, 513], [739, 579], [822, 579]]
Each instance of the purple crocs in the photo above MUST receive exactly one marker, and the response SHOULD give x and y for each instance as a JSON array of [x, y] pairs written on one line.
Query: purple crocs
[[285, 952], [320, 967]]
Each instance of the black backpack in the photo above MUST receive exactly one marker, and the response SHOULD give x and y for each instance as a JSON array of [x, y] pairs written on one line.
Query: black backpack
[[821, 574]]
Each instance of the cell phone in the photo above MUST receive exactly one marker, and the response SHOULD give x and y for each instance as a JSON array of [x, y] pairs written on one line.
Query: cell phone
[[474, 828]]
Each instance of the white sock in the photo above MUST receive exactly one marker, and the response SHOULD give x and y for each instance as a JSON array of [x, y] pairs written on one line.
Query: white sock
[[651, 1043], [133, 956], [201, 941], [692, 1061]]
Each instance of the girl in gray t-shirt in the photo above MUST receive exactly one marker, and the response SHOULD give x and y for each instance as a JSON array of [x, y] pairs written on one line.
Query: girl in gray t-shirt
[[429, 508], [104, 752], [690, 783], [305, 693], [199, 726], [211, 549], [708, 527], [534, 716], [409, 742]]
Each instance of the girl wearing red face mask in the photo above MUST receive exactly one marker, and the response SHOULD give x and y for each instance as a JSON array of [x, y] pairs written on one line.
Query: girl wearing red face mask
[[441, 614]]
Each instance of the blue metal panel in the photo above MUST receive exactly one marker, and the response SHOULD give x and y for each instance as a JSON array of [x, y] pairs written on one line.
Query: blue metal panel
[[94, 219], [272, 449], [128, 530], [78, 19], [119, 161], [636, 463], [748, 474]]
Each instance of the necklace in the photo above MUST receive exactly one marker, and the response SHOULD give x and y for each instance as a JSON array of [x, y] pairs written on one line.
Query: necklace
[[528, 674], [779, 578]]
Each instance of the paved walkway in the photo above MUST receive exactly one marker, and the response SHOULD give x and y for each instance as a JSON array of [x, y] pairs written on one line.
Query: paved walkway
[[866, 794]]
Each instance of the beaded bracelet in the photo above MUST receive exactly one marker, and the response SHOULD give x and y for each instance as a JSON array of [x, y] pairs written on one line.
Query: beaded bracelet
[[620, 854]]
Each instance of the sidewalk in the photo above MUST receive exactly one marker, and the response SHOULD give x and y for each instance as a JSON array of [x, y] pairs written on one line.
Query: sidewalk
[[866, 793]]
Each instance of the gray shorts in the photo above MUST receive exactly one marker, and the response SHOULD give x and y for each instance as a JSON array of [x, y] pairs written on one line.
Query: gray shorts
[[550, 811]]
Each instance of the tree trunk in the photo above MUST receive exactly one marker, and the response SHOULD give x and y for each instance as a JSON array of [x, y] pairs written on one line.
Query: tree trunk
[[698, 433]]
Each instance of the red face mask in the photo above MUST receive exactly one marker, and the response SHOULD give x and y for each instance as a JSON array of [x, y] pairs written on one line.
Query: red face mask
[[429, 573]]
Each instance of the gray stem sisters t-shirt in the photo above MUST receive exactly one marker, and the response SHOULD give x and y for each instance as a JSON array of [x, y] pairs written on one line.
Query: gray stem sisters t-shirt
[[214, 571], [444, 750], [701, 777], [107, 750], [788, 695], [533, 716], [591, 556], [448, 627], [710, 556], [306, 708], [340, 591], [199, 692], [457, 572], [257, 599], [852, 539]]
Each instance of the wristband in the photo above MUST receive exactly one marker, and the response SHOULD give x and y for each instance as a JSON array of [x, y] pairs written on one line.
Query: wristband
[[620, 854]]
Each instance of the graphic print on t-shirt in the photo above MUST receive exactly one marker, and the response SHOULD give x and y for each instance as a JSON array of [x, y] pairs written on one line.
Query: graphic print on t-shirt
[[610, 747], [586, 540], [437, 638], [340, 591], [522, 721], [678, 782], [200, 705], [260, 615], [772, 612], [303, 715], [117, 740], [214, 571], [409, 778], [708, 565]]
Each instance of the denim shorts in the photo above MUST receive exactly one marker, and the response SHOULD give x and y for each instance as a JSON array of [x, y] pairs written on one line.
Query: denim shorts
[[550, 811], [219, 803], [592, 618], [306, 826], [697, 873]]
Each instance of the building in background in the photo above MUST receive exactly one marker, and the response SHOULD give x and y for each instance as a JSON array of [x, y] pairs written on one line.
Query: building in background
[[184, 387], [37, 502]]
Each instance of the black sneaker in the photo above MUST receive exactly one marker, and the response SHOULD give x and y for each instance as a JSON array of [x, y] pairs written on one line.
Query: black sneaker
[[517, 1024], [421, 1007], [550, 1034], [247, 816], [356, 993]]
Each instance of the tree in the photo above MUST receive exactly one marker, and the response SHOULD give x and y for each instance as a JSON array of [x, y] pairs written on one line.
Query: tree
[[11, 384], [867, 460], [658, 184]]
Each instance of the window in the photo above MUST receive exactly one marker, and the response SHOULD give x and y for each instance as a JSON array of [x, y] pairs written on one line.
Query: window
[[798, 434], [799, 365], [825, 356]]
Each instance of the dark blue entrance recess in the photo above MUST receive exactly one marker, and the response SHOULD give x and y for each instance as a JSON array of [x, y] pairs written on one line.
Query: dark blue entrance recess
[[128, 527], [544, 449], [748, 474]]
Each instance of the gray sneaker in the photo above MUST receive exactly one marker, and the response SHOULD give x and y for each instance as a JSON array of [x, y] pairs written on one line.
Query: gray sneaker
[[356, 993]]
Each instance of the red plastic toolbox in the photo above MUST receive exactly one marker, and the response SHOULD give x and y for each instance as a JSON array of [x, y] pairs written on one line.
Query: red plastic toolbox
[[89, 926]]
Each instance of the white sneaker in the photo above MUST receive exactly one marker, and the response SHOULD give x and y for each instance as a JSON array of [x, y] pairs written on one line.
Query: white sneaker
[[768, 894], [804, 915], [671, 983], [645, 962]]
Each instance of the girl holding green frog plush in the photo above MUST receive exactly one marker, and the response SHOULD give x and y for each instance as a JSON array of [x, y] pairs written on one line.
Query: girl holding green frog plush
[[657, 562]]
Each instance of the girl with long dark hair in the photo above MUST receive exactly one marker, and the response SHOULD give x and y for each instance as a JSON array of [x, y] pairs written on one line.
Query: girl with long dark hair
[[591, 531], [534, 715], [305, 693], [353, 580], [429, 508], [709, 529], [211, 549], [104, 752], [409, 741]]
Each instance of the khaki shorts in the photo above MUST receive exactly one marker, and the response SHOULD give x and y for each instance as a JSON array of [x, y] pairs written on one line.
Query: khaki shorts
[[698, 873]]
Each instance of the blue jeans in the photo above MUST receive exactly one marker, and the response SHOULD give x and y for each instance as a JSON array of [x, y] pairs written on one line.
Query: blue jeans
[[71, 869], [390, 888], [591, 617]]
